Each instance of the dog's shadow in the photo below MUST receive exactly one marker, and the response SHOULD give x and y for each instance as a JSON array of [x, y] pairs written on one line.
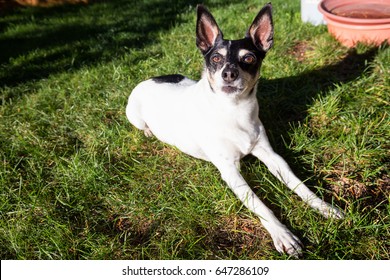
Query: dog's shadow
[[285, 100]]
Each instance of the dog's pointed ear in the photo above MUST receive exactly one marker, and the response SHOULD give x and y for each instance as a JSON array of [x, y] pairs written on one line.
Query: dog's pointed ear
[[207, 30], [262, 30]]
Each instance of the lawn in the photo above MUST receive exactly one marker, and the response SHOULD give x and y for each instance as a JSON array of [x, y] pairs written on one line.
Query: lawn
[[77, 181]]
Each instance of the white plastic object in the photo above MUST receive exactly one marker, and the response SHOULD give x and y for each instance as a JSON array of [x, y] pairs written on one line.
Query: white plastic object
[[310, 12]]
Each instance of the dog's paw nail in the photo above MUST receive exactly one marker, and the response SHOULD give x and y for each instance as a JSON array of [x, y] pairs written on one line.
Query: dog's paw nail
[[329, 211], [148, 132], [288, 243], [336, 214], [339, 215]]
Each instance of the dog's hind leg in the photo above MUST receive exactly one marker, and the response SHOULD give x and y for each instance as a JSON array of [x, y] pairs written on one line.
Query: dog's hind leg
[[138, 122], [134, 115]]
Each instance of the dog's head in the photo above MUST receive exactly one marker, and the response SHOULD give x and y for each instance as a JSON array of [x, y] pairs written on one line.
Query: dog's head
[[232, 66]]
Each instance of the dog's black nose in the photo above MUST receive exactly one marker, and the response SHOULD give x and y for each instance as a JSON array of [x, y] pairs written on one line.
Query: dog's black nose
[[229, 74]]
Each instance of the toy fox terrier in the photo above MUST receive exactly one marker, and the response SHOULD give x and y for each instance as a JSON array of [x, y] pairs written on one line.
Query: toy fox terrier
[[217, 118]]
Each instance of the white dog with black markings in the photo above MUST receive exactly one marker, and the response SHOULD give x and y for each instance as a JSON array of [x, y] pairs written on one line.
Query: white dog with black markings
[[216, 118]]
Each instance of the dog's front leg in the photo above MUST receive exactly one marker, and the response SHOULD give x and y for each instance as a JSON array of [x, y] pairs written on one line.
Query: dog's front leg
[[284, 240], [280, 169]]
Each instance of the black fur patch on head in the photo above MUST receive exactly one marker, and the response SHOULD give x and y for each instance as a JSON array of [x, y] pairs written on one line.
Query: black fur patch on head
[[170, 79], [233, 48]]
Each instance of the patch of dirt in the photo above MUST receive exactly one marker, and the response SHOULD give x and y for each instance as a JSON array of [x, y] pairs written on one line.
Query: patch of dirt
[[350, 187], [165, 151], [110, 117], [134, 229], [235, 234], [299, 50], [375, 191]]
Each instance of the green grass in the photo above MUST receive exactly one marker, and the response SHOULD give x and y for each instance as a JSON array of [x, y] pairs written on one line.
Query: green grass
[[79, 182]]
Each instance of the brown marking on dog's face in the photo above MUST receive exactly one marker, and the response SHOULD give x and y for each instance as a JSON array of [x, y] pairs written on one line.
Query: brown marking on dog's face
[[240, 56], [233, 66]]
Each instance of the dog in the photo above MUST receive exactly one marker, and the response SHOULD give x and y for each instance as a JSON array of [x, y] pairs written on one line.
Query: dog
[[217, 118]]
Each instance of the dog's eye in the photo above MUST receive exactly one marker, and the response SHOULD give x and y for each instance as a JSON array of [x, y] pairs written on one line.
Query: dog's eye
[[249, 59], [216, 58]]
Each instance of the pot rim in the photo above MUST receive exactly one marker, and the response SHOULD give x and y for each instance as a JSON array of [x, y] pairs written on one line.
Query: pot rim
[[358, 22]]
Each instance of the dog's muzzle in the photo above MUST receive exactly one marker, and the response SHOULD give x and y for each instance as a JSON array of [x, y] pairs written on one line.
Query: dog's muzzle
[[230, 73]]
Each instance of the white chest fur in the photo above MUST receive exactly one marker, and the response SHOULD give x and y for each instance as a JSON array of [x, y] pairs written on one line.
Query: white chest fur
[[194, 119]]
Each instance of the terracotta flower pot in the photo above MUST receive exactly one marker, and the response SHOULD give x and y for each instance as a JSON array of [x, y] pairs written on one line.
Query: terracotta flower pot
[[353, 21]]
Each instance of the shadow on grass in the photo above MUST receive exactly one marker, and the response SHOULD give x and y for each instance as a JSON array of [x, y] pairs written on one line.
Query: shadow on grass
[[38, 42], [285, 100]]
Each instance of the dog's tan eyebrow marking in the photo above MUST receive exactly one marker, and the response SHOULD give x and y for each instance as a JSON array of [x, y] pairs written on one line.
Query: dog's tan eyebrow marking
[[222, 51], [243, 52]]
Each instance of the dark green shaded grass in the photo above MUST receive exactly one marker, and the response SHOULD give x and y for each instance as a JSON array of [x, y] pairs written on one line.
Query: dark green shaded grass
[[79, 182]]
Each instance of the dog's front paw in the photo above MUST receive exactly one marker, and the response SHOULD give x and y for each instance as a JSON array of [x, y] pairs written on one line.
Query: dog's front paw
[[329, 211], [286, 242]]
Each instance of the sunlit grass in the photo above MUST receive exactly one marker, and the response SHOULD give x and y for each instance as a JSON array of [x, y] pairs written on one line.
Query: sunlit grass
[[79, 182]]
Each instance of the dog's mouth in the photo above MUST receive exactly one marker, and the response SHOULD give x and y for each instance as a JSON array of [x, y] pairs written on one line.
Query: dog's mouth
[[231, 89]]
